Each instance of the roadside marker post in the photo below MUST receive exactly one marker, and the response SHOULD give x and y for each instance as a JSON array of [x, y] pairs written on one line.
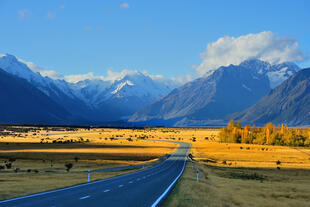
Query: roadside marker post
[[197, 175], [88, 175]]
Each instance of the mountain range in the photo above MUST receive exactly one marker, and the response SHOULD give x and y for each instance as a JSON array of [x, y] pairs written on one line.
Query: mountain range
[[208, 100], [22, 103], [288, 103], [252, 92], [94, 100]]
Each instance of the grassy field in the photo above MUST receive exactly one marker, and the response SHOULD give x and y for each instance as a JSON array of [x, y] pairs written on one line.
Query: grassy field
[[243, 175], [38, 157], [230, 174]]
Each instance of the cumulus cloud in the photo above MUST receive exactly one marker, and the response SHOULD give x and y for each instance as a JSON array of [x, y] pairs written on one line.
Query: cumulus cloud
[[124, 6], [23, 14], [233, 50]]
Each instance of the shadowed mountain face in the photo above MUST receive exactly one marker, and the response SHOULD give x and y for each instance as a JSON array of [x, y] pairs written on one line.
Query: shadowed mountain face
[[98, 101], [21, 102], [204, 101], [287, 103], [227, 90]]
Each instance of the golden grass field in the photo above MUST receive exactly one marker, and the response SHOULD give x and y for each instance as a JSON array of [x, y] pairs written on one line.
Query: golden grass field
[[230, 174]]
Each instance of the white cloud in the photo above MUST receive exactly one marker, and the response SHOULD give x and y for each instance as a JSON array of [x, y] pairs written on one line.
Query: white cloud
[[233, 50], [124, 6], [80, 77], [23, 14], [45, 73], [111, 75], [51, 15], [51, 74]]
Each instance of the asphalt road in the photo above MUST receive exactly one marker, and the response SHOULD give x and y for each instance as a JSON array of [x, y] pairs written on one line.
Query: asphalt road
[[148, 187]]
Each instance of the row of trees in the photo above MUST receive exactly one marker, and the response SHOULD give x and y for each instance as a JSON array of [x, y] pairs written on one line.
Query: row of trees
[[269, 134]]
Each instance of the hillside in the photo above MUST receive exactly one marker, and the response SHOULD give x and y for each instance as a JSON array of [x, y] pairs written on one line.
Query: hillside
[[288, 103], [23, 103]]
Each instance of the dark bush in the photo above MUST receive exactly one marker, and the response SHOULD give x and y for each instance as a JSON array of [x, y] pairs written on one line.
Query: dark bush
[[8, 165], [68, 166]]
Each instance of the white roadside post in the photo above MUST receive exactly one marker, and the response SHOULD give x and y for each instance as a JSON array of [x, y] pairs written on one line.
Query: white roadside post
[[197, 175], [88, 175]]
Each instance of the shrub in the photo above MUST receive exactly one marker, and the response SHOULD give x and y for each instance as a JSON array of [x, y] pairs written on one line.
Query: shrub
[[68, 166], [8, 165]]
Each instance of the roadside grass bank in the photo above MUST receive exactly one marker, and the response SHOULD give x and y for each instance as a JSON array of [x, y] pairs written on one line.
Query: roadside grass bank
[[236, 186]]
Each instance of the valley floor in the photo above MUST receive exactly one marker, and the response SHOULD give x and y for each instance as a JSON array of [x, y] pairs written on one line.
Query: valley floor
[[230, 174]]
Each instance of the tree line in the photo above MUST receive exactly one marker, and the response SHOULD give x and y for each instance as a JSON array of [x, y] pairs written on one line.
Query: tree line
[[267, 135]]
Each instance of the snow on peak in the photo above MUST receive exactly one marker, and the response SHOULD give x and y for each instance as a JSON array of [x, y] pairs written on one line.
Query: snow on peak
[[121, 86], [12, 65]]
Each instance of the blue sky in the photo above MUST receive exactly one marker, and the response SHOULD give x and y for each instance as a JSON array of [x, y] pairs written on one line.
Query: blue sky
[[161, 36]]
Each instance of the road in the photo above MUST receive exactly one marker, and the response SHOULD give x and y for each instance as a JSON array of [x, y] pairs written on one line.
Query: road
[[148, 187]]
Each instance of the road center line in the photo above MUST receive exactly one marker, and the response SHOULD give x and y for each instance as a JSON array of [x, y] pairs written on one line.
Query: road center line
[[84, 197], [107, 190]]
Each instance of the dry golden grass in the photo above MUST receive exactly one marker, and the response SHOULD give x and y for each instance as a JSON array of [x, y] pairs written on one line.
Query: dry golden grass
[[228, 186], [95, 148], [24, 183], [247, 155], [244, 175], [230, 174]]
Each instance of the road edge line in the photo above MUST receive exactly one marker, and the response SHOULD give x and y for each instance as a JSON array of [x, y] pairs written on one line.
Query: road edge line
[[165, 193]]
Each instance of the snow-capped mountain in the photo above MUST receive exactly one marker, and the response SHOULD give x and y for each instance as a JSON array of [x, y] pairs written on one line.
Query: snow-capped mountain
[[58, 90], [127, 94], [287, 103], [94, 99], [211, 98], [135, 83], [21, 102], [277, 73]]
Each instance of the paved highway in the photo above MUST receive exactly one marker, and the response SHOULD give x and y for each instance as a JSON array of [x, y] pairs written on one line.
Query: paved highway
[[148, 187]]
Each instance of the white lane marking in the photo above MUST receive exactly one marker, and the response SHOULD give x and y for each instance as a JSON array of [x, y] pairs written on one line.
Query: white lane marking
[[138, 179], [80, 185], [120, 186], [107, 190], [84, 197], [130, 181], [169, 187], [73, 187]]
